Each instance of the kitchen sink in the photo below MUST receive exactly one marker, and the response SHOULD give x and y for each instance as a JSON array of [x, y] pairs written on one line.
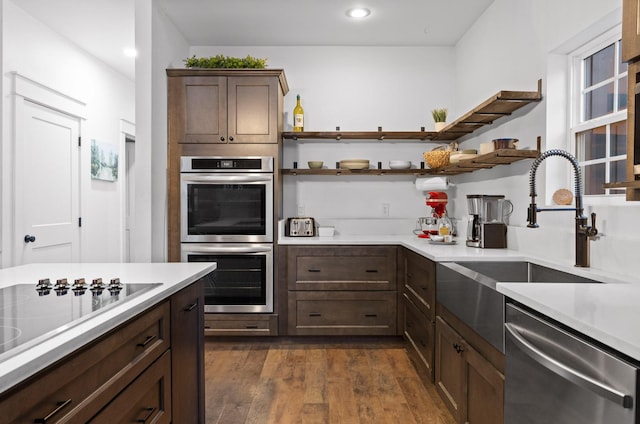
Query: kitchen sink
[[468, 290]]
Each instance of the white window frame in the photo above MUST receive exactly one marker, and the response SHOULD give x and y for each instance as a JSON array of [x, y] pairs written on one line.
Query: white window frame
[[577, 125]]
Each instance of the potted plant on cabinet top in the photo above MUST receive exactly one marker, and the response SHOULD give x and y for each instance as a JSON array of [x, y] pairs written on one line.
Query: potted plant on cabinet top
[[439, 118]]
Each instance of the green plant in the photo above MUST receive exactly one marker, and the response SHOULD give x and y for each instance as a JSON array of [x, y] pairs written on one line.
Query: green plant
[[439, 115], [221, 61]]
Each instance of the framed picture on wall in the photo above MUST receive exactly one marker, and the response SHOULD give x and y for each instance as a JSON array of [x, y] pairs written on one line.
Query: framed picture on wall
[[104, 161]]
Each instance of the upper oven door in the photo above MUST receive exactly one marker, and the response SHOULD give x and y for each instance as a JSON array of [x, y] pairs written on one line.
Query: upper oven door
[[226, 207]]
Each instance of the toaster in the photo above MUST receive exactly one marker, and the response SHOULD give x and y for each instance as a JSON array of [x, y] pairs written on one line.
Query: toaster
[[300, 227]]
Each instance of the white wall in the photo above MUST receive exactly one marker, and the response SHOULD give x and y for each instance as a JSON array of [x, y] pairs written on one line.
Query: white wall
[[33, 50], [358, 89], [159, 43], [513, 44]]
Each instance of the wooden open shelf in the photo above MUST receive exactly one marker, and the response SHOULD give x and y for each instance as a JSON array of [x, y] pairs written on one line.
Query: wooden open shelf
[[489, 160], [624, 184], [503, 103]]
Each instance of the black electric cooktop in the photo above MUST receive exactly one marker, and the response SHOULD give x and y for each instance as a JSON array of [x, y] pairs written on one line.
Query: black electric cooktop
[[31, 314]]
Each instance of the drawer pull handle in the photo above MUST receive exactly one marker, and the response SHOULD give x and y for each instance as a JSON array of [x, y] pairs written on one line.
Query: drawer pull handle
[[146, 341], [251, 326], [313, 270], [191, 307], [371, 315], [315, 314], [371, 270], [150, 412], [59, 406]]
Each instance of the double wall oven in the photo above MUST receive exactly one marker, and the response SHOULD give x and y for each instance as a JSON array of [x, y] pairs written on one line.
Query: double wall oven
[[226, 206]]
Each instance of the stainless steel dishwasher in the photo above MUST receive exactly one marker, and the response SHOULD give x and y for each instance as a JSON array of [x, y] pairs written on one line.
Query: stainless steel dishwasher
[[553, 376]]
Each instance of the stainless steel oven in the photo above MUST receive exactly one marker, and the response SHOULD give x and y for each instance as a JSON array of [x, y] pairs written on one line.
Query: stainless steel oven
[[243, 279], [226, 199]]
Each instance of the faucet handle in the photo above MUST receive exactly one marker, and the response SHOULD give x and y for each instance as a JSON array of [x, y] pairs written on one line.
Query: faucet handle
[[592, 231]]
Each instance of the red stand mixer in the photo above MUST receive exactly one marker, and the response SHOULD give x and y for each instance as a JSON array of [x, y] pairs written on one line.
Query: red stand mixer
[[438, 201]]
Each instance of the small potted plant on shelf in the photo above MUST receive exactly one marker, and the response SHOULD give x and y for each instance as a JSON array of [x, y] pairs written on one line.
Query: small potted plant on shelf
[[439, 118]]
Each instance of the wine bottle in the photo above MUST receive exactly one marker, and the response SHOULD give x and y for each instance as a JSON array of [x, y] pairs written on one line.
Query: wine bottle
[[298, 116]]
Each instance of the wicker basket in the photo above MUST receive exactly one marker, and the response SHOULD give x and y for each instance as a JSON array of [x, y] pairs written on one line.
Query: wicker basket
[[437, 158]]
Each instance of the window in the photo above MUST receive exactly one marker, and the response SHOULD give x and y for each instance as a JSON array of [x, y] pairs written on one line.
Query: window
[[599, 118]]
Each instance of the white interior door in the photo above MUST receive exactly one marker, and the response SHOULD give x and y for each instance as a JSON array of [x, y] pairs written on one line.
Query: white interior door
[[47, 185]]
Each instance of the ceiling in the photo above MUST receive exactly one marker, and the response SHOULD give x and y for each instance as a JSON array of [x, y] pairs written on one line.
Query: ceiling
[[105, 27]]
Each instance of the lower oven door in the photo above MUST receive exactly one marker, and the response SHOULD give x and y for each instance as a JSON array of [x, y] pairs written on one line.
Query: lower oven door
[[243, 279], [554, 377]]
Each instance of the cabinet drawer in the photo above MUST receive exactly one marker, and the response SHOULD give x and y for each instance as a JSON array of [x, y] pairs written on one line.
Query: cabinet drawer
[[420, 334], [240, 325], [146, 400], [352, 268], [420, 281], [82, 383], [342, 313]]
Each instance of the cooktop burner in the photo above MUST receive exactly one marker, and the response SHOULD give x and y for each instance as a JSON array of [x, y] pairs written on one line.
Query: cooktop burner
[[30, 314]]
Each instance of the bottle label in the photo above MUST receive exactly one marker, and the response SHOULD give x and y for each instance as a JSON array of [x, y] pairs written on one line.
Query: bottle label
[[298, 120]]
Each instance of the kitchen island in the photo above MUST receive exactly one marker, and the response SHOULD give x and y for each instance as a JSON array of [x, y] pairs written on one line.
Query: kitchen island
[[132, 335]]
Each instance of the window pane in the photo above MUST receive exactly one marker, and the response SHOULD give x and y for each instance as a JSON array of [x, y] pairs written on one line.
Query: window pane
[[618, 171], [593, 178], [622, 66], [599, 66], [598, 102], [622, 93], [618, 139], [591, 144]]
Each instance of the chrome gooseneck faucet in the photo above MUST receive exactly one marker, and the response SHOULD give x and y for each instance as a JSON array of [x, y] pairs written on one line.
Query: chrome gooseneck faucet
[[583, 232]]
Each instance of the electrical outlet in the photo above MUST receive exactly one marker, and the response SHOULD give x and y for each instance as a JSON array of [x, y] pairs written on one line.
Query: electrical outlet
[[301, 210], [385, 209]]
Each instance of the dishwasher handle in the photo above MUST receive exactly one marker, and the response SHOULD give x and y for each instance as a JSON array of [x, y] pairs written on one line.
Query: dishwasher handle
[[565, 371]]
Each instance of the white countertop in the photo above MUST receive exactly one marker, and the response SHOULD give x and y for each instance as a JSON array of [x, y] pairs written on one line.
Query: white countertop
[[173, 276], [609, 313]]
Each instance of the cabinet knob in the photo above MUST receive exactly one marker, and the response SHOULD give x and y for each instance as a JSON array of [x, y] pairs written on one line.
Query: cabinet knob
[[230, 138], [458, 348], [221, 138]]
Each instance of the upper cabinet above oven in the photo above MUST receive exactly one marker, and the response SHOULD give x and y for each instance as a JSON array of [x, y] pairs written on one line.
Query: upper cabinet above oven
[[225, 106]]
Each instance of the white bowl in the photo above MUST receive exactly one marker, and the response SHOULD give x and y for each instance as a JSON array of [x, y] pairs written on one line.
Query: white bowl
[[399, 164]]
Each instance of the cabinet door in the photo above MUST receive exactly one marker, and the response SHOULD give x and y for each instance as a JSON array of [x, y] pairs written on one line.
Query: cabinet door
[[419, 333], [147, 399], [253, 109], [450, 369], [187, 351], [420, 282], [630, 30], [198, 109], [485, 390]]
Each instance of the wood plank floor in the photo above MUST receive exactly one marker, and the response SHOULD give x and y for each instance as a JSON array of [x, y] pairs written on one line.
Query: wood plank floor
[[315, 381]]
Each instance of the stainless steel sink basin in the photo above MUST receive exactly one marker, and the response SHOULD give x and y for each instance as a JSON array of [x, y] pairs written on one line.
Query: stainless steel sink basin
[[468, 290]]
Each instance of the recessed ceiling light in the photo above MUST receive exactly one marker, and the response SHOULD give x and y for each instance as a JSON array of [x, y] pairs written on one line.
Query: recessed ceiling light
[[358, 12], [130, 52]]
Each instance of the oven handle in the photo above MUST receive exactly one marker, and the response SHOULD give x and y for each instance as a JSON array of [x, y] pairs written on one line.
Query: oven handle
[[230, 250], [563, 370], [226, 179]]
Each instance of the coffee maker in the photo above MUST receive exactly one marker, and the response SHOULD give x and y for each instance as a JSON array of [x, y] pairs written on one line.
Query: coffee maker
[[487, 226]]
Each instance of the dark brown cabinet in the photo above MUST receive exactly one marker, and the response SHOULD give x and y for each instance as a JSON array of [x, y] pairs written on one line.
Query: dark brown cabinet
[[129, 374], [470, 386], [630, 30], [187, 354], [208, 106], [341, 290], [418, 303]]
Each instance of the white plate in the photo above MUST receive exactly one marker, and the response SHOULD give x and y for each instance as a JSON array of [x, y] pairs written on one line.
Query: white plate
[[354, 164], [442, 242]]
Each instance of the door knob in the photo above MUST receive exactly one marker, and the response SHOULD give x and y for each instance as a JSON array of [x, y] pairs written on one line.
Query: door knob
[[29, 239]]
